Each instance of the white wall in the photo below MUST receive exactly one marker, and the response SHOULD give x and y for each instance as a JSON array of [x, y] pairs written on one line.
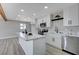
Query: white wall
[[8, 28], [12, 28]]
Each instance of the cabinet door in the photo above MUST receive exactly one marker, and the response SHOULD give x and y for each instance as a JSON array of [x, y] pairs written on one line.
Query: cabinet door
[[43, 20], [71, 16], [48, 21], [54, 40], [39, 46]]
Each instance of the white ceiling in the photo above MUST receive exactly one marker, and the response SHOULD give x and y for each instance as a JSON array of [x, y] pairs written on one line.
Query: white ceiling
[[12, 10]]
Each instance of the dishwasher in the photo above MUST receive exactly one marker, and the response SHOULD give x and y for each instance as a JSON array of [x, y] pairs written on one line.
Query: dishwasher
[[70, 45]]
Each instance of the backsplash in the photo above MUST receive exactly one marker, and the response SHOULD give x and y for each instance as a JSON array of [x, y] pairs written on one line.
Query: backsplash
[[73, 29]]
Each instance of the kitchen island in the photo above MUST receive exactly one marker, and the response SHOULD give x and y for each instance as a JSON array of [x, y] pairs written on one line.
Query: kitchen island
[[33, 44]]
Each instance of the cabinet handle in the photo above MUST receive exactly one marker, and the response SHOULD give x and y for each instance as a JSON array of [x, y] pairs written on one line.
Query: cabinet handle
[[53, 39]]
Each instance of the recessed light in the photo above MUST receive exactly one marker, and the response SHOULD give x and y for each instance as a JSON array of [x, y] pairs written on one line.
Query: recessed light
[[22, 10], [45, 7]]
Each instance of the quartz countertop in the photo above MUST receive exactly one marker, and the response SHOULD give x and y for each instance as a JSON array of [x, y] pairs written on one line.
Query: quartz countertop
[[30, 37]]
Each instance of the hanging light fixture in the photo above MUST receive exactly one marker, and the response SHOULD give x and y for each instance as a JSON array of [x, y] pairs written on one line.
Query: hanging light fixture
[[57, 16]]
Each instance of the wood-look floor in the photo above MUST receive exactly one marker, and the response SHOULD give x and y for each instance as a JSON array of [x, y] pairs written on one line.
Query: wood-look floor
[[10, 47]]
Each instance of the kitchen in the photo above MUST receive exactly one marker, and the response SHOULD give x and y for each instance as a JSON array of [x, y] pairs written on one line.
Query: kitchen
[[43, 28]]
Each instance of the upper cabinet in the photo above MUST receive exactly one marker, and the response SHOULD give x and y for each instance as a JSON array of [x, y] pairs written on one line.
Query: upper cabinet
[[45, 21], [71, 16]]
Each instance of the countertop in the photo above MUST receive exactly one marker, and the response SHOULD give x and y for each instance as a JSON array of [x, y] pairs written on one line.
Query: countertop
[[30, 37], [72, 35]]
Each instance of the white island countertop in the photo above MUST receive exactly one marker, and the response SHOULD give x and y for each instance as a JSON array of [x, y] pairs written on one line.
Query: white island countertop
[[30, 37]]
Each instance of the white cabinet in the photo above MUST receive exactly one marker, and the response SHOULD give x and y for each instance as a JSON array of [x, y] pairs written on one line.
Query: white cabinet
[[54, 40], [39, 46], [33, 47], [71, 16], [44, 20], [27, 46], [47, 20]]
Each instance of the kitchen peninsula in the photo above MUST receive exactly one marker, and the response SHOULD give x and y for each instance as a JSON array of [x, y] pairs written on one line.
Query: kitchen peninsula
[[32, 44]]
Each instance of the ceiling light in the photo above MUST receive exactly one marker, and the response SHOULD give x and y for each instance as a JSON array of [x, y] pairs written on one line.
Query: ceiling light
[[22, 10], [45, 7]]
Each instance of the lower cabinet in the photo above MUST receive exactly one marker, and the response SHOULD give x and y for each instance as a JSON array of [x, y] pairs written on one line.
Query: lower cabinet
[[51, 50], [33, 47], [39, 46], [27, 46]]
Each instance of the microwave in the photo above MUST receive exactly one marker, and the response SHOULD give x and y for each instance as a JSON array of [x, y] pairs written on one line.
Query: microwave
[[42, 25]]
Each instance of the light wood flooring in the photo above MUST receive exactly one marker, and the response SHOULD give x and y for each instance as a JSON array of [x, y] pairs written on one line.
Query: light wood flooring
[[10, 46]]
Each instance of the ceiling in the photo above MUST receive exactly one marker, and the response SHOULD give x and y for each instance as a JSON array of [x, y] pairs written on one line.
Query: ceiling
[[23, 11]]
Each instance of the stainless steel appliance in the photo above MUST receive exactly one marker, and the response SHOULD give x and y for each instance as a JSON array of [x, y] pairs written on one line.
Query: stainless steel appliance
[[71, 45]]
